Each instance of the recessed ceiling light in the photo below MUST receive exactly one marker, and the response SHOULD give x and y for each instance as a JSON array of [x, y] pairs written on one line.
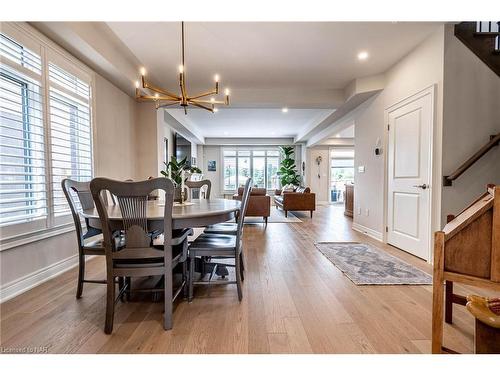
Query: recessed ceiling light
[[226, 133], [273, 133], [284, 110], [363, 55]]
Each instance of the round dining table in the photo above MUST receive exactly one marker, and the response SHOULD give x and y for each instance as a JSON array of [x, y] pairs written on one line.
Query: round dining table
[[193, 214]]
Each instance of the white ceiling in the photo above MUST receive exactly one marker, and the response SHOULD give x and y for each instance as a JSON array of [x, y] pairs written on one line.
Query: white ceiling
[[301, 65], [249, 123]]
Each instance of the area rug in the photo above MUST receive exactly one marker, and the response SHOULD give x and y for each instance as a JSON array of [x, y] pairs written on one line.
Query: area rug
[[367, 265]]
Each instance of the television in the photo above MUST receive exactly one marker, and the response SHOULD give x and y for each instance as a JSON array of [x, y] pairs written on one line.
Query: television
[[182, 148]]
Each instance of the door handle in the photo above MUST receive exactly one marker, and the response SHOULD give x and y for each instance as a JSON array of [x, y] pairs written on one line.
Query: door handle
[[423, 186]]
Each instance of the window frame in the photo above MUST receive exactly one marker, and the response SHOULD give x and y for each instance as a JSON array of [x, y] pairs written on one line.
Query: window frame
[[251, 156], [18, 234]]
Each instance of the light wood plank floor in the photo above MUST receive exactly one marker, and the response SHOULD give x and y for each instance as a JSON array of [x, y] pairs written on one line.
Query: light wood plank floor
[[295, 301]]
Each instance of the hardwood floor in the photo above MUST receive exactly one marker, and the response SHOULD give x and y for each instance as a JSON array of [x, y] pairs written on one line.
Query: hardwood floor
[[294, 301]]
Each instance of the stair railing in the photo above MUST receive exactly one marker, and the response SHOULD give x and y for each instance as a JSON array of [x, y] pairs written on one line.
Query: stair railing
[[494, 141]]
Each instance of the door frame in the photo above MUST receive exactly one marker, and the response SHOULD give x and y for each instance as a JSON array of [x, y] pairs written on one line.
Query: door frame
[[434, 212]]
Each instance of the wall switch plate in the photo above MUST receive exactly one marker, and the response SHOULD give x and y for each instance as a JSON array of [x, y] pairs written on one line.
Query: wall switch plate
[[367, 212], [361, 169]]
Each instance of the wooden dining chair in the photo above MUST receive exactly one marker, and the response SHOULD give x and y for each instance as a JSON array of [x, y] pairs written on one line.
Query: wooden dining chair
[[227, 228], [79, 198], [220, 246], [200, 185], [138, 257]]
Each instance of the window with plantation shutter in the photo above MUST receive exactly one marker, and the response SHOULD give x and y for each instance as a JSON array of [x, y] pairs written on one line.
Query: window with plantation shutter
[[22, 140], [70, 132], [45, 134]]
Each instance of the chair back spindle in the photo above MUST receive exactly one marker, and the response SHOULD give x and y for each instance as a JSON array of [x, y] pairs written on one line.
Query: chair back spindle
[[132, 199]]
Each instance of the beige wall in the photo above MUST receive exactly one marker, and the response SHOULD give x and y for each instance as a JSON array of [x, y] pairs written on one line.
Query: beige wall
[[420, 69], [114, 131], [146, 137], [471, 114]]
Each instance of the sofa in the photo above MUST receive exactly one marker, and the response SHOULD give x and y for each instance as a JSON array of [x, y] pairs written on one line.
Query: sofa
[[295, 199], [259, 203]]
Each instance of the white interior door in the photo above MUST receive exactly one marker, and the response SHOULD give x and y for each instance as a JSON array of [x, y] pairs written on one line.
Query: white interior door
[[409, 174]]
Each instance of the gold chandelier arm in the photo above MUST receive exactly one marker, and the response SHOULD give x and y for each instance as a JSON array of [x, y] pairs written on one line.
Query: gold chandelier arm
[[157, 98], [158, 105], [209, 102], [213, 92], [201, 106], [159, 90]]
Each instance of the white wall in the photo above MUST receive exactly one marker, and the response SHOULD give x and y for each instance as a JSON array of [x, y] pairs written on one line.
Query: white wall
[[318, 184], [421, 68], [212, 153], [471, 114]]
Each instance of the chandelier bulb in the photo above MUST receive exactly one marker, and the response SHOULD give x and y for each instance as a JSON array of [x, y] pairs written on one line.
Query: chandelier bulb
[[181, 68], [227, 92], [212, 100], [216, 78], [143, 71], [136, 84], [216, 109]]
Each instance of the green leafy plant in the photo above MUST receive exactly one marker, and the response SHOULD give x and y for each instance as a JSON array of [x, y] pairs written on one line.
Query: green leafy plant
[[288, 170], [174, 169]]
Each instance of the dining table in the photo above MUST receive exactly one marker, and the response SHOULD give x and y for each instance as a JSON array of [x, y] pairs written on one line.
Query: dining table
[[191, 214]]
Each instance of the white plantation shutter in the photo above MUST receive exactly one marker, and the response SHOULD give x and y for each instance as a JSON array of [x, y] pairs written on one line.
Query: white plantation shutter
[[70, 132], [45, 134], [23, 190]]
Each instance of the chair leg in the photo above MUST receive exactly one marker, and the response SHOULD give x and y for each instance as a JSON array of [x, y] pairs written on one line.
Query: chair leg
[[110, 305], [448, 302], [191, 278], [185, 279], [242, 269], [311, 214], [238, 277], [265, 219], [168, 303], [286, 213], [81, 275]]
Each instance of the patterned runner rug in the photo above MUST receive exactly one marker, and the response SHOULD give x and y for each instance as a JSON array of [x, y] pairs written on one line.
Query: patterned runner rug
[[367, 265]]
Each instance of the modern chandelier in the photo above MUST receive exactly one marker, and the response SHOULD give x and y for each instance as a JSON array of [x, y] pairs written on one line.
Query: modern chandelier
[[146, 92]]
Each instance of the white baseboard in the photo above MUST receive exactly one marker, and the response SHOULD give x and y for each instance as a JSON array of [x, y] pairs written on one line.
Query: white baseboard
[[25, 283], [369, 232]]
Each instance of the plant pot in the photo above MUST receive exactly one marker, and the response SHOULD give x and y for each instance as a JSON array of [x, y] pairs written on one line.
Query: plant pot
[[177, 194]]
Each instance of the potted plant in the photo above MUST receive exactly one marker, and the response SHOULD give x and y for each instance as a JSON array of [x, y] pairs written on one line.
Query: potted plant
[[288, 170], [176, 171]]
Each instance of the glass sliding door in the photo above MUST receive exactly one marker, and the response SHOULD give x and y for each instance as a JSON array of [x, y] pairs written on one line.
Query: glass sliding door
[[341, 172]]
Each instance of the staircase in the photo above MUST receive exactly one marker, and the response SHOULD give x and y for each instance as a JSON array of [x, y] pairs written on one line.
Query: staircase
[[482, 38]]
